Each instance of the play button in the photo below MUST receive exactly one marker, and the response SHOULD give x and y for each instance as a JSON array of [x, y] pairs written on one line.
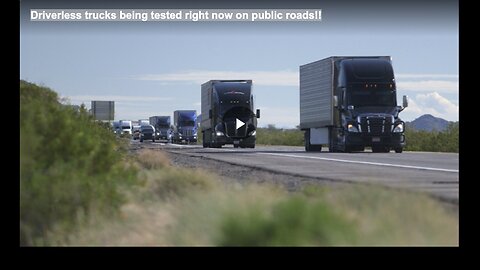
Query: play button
[[239, 123]]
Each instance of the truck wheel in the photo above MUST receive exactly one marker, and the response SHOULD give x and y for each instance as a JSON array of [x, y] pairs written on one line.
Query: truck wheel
[[307, 140], [399, 150], [141, 140], [331, 143]]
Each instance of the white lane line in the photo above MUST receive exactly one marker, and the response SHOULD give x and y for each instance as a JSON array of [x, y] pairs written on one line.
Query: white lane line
[[364, 162], [182, 145]]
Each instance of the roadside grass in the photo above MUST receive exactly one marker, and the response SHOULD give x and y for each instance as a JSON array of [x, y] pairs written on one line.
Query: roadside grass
[[180, 207]]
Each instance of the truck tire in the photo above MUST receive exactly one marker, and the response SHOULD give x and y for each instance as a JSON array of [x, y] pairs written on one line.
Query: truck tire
[[399, 150], [331, 143], [141, 140]]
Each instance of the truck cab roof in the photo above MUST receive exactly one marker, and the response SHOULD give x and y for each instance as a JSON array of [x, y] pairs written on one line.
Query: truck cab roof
[[365, 69]]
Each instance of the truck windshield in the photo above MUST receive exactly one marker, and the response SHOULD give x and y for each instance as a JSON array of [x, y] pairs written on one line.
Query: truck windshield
[[185, 123], [374, 95]]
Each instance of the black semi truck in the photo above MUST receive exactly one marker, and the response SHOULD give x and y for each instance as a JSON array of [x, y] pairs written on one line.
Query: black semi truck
[[163, 128], [228, 115], [349, 103]]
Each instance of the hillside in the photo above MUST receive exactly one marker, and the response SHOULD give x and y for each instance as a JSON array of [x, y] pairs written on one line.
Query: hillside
[[428, 122]]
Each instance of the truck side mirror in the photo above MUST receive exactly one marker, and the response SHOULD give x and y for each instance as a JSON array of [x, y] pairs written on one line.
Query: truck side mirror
[[405, 101], [335, 101], [209, 113], [258, 113]]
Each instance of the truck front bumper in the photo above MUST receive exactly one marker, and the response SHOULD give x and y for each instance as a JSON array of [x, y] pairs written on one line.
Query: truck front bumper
[[186, 138], [241, 141], [392, 140]]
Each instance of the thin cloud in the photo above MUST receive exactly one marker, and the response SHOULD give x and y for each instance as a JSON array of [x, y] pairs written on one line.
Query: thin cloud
[[272, 78], [431, 103], [429, 86], [291, 78], [423, 76], [83, 98], [281, 117]]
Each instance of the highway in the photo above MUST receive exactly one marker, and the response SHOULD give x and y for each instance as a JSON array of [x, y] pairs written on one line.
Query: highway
[[435, 173]]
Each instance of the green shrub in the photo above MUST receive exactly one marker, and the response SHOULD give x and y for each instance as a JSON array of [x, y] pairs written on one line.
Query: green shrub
[[294, 221], [68, 164], [274, 136], [434, 141]]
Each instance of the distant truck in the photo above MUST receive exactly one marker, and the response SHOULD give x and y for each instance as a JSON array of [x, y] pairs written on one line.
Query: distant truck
[[116, 127], [228, 115], [349, 103], [162, 125], [126, 126], [184, 126], [143, 122]]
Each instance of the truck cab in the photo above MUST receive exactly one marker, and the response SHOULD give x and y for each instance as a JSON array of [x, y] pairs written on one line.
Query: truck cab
[[163, 127], [228, 115], [126, 127], [184, 128]]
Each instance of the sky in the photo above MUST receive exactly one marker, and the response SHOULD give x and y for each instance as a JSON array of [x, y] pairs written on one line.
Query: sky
[[154, 68]]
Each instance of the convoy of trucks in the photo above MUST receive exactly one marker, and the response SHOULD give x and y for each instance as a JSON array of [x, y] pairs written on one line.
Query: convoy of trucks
[[349, 103], [227, 113]]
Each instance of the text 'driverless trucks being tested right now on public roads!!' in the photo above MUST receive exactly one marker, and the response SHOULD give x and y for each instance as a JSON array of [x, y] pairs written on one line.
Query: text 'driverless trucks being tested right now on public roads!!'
[[349, 103], [227, 114]]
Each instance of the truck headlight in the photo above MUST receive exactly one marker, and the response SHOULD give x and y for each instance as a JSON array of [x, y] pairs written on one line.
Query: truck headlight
[[252, 133], [398, 128], [219, 133], [352, 128]]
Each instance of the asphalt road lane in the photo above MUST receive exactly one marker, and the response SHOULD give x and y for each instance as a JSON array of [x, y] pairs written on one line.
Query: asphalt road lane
[[435, 173]]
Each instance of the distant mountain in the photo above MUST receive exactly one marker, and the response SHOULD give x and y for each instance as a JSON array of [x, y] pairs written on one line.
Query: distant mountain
[[428, 122]]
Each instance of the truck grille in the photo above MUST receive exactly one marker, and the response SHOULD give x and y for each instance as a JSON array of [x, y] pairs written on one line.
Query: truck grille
[[187, 132], [375, 125]]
